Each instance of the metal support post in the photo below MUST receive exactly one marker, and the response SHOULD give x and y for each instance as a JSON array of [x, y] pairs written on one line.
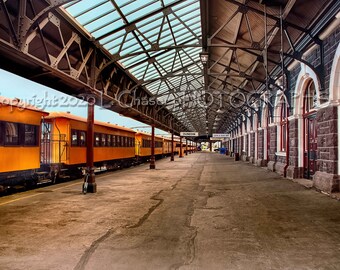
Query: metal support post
[[90, 180], [172, 147], [186, 147], [180, 147], [152, 159]]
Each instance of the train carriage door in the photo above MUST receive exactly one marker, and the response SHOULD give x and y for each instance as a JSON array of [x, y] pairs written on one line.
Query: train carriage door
[[310, 147], [45, 147], [310, 132]]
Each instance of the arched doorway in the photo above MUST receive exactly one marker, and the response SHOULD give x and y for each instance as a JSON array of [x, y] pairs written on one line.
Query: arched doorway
[[310, 131]]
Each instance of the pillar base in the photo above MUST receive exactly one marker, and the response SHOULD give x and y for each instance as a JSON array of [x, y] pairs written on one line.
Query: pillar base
[[271, 166], [261, 163], [172, 159], [280, 168], [152, 166], [294, 172], [326, 182], [91, 187]]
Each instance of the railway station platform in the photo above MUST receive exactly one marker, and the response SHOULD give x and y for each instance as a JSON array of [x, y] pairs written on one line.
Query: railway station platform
[[204, 211]]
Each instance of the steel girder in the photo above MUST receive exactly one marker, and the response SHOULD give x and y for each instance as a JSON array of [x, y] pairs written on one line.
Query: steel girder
[[42, 43], [247, 62]]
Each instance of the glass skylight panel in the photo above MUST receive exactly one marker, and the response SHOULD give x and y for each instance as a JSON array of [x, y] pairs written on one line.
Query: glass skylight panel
[[164, 74], [95, 14], [140, 8], [77, 7]]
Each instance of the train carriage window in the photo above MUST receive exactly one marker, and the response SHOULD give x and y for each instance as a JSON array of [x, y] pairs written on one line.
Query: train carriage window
[[2, 133], [82, 138], [11, 133], [97, 139], [114, 141], [118, 141], [125, 142], [31, 135], [109, 140], [74, 137], [104, 140]]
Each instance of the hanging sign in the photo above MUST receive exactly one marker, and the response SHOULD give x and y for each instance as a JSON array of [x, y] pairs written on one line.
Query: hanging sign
[[189, 134], [220, 135]]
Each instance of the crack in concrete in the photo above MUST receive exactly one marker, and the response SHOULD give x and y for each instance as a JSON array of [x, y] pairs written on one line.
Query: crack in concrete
[[88, 253], [175, 185], [191, 250], [151, 209]]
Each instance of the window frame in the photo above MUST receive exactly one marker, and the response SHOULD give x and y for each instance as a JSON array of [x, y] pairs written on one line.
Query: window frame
[[35, 135], [18, 143], [74, 132], [97, 143]]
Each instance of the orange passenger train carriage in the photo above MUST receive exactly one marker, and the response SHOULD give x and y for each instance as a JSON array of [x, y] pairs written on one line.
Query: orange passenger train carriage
[[114, 146], [19, 142], [143, 146]]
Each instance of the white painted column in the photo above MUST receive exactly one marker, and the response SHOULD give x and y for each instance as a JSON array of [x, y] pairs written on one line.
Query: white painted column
[[256, 150], [300, 141]]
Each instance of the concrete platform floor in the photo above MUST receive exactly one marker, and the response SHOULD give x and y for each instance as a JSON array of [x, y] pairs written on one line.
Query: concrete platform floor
[[204, 211]]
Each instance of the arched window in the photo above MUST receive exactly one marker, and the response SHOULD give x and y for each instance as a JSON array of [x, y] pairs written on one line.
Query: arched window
[[310, 130], [310, 98], [283, 124]]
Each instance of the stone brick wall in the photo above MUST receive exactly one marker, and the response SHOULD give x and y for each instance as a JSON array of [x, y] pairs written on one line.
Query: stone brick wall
[[293, 142], [293, 76], [327, 147], [281, 159], [313, 57], [273, 142], [260, 148], [326, 177], [293, 170], [252, 144], [330, 46]]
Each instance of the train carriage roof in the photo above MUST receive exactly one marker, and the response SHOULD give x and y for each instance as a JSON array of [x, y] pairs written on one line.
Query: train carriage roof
[[18, 103], [149, 135], [66, 115]]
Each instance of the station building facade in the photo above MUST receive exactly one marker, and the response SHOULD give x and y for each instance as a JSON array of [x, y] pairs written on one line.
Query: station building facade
[[296, 131]]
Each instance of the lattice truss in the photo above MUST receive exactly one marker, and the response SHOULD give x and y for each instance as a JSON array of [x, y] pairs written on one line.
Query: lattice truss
[[158, 42], [148, 50], [250, 46]]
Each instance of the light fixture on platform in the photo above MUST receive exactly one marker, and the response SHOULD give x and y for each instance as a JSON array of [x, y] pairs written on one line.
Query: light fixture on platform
[[204, 56]]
